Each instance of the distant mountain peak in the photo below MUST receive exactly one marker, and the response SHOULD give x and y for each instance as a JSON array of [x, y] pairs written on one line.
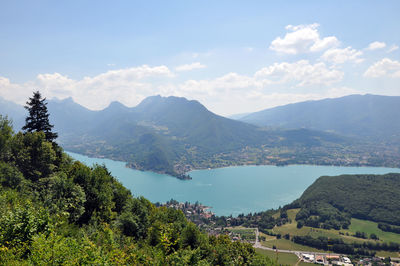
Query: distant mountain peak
[[157, 100], [116, 104]]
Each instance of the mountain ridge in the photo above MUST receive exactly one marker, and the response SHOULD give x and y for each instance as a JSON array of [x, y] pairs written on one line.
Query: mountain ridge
[[174, 135], [353, 115]]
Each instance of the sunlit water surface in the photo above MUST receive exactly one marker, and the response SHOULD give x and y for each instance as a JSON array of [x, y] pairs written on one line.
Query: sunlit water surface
[[231, 190]]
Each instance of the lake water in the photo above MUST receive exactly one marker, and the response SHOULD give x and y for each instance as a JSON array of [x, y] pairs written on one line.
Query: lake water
[[232, 190]]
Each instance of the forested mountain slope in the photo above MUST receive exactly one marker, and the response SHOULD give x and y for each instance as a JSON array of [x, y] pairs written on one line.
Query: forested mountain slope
[[332, 200]]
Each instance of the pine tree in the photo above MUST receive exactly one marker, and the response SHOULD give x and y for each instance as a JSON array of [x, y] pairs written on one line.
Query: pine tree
[[38, 118]]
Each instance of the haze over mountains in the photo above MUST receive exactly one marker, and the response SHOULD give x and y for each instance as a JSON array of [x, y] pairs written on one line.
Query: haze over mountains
[[368, 115], [174, 135]]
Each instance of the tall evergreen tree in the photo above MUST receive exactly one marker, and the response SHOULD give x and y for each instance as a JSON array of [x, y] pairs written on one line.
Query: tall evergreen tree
[[38, 118]]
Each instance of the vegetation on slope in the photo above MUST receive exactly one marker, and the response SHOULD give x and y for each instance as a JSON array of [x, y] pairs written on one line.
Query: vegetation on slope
[[58, 211], [330, 202]]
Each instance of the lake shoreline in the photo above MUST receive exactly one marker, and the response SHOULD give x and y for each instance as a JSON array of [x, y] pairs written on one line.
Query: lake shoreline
[[230, 190], [127, 165]]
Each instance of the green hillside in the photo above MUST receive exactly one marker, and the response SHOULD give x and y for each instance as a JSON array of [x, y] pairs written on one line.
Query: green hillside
[[56, 211], [330, 202]]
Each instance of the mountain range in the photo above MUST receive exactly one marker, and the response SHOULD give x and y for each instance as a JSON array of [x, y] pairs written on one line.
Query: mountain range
[[370, 116], [174, 135]]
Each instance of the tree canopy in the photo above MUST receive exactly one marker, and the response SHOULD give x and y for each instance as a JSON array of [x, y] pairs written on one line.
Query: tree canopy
[[38, 118], [62, 212]]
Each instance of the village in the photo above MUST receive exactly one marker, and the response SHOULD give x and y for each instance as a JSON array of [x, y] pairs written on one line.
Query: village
[[197, 213]]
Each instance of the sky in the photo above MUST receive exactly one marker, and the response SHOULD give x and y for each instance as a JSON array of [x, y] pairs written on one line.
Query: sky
[[232, 56]]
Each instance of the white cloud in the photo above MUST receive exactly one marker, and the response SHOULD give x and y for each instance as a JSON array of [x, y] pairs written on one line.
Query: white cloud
[[393, 48], [133, 73], [128, 86], [376, 45], [302, 39], [276, 84], [340, 56], [131, 85], [188, 67], [384, 68], [303, 72]]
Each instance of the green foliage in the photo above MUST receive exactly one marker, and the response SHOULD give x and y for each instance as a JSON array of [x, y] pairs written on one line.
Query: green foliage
[[264, 220], [33, 155], [18, 226], [61, 195], [135, 218], [190, 236], [121, 196], [96, 183], [6, 133], [10, 176], [323, 215], [38, 118], [55, 211], [339, 246], [389, 228], [331, 201]]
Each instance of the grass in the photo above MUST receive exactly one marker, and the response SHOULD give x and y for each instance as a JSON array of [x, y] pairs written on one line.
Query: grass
[[302, 263], [372, 228], [288, 245], [283, 258], [387, 254], [368, 227], [267, 237]]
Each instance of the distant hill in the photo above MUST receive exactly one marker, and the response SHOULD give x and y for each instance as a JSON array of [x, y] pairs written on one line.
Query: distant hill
[[331, 201], [14, 111], [174, 135], [368, 115]]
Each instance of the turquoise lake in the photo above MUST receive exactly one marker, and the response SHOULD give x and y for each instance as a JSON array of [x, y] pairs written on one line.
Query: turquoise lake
[[231, 190]]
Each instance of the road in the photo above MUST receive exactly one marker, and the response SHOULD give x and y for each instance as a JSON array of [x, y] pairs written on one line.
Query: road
[[257, 244]]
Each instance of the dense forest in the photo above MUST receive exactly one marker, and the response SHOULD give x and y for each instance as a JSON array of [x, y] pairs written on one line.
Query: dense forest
[[55, 210], [330, 202]]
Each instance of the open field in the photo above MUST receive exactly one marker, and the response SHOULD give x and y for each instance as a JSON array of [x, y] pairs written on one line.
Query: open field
[[368, 227], [372, 228], [388, 254], [283, 258], [288, 245]]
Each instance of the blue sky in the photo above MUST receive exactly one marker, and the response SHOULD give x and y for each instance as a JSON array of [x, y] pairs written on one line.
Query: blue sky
[[232, 56]]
